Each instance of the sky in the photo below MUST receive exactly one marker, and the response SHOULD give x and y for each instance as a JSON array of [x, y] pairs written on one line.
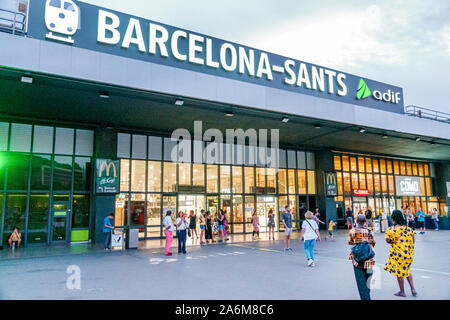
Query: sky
[[400, 42]]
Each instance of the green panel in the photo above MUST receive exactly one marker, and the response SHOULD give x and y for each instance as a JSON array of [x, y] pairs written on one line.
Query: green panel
[[60, 214], [79, 235]]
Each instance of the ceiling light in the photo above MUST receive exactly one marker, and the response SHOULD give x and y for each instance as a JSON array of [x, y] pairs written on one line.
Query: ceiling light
[[229, 114], [385, 136], [432, 142], [26, 79], [104, 95], [179, 102], [418, 139], [317, 126], [285, 119], [362, 130]]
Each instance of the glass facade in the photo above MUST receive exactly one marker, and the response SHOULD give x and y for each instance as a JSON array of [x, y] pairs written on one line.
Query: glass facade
[[164, 178], [45, 178], [377, 175]]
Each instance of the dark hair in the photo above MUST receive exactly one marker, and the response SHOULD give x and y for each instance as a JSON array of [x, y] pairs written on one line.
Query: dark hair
[[16, 228], [368, 214], [397, 216], [168, 213], [111, 214]]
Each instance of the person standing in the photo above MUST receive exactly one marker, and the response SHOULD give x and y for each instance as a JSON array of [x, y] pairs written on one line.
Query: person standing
[[363, 269], [107, 229], [401, 239], [202, 222], [435, 218], [310, 233], [220, 224], [410, 223], [349, 215], [287, 222], [182, 225], [369, 220], [168, 231], [271, 223], [421, 220], [255, 223], [193, 224], [208, 227]]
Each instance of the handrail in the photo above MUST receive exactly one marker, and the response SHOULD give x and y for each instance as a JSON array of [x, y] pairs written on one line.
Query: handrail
[[14, 22], [426, 113]]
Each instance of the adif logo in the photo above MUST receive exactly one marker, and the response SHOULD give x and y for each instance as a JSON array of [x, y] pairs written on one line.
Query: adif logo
[[388, 96], [63, 18]]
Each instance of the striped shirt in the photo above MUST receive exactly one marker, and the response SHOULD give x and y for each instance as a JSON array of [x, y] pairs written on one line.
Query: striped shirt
[[359, 235]]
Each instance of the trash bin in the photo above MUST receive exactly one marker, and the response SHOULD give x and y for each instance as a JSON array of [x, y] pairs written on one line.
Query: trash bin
[[117, 239], [132, 238]]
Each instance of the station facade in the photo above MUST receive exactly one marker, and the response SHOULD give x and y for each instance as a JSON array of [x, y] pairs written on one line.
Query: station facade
[[88, 115]]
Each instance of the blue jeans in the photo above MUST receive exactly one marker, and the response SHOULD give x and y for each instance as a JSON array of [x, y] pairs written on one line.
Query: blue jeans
[[361, 276], [309, 248], [107, 239], [436, 224], [181, 234]]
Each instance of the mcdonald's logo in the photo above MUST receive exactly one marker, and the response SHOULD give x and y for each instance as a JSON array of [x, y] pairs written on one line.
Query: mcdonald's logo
[[107, 167], [331, 179]]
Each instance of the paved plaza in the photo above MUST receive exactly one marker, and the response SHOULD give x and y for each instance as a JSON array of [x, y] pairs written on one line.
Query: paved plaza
[[240, 270]]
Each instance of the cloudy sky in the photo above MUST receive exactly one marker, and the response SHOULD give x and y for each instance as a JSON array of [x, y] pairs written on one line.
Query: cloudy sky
[[400, 42]]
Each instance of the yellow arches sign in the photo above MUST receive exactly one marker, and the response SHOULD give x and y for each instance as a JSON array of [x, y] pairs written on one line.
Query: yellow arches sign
[[331, 184], [107, 176]]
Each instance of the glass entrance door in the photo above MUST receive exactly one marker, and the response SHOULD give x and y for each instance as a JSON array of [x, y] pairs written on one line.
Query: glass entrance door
[[359, 205], [60, 222], [263, 206]]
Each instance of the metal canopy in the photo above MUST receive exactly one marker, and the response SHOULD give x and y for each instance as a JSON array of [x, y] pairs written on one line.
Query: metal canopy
[[69, 102]]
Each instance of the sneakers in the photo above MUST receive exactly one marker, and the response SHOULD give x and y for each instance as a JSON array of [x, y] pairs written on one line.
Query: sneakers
[[169, 254], [309, 263]]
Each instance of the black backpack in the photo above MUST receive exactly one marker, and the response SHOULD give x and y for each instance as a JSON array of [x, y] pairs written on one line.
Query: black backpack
[[363, 251]]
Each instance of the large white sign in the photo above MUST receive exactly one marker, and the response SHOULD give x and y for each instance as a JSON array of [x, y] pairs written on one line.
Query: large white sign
[[408, 186]]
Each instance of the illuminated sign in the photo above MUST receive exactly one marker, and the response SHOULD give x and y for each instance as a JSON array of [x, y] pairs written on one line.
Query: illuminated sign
[[360, 192], [107, 176], [133, 37], [407, 186], [331, 184]]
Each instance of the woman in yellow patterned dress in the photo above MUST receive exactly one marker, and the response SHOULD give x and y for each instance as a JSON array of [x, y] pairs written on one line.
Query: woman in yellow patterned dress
[[401, 239]]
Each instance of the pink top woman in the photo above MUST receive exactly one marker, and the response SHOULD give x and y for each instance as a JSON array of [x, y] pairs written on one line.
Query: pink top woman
[[255, 222]]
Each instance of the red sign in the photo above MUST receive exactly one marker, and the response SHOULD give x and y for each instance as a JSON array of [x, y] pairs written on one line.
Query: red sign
[[360, 192]]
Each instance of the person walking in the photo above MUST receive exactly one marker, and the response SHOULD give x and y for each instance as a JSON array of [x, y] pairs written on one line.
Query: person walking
[[208, 227], [349, 215], [202, 222], [363, 269], [225, 225], [401, 238], [369, 220], [107, 229], [435, 218], [310, 233], [271, 224], [287, 218], [255, 223], [331, 225], [193, 224], [421, 220], [168, 231], [317, 218], [182, 225]]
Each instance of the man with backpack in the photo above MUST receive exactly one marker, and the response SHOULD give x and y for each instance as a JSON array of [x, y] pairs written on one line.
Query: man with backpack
[[362, 255]]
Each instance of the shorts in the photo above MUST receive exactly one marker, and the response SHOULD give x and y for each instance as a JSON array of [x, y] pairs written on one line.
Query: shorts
[[420, 224], [220, 227], [288, 231], [330, 233], [350, 220], [271, 224], [202, 227]]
